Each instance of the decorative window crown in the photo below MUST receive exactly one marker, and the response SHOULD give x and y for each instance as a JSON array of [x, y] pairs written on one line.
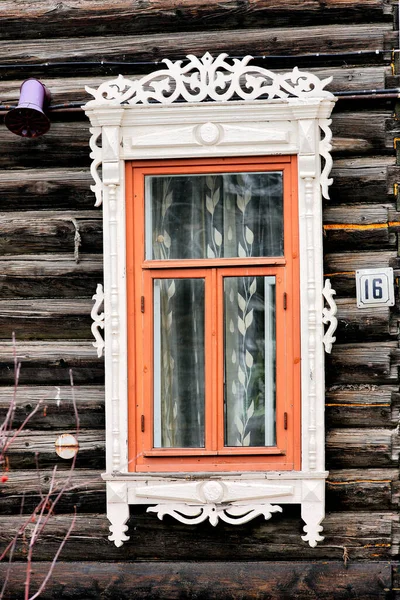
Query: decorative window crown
[[210, 79]]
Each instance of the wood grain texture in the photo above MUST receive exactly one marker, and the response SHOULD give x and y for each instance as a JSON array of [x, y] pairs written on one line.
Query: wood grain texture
[[153, 47], [363, 363], [363, 179], [31, 445], [50, 231], [209, 580], [365, 535], [361, 448], [362, 405], [55, 275], [65, 145], [46, 189], [49, 363], [368, 324], [56, 406], [49, 18], [362, 132], [24, 489], [362, 489], [46, 319]]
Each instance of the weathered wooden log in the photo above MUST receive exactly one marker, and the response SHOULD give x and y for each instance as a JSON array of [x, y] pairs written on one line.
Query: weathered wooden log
[[361, 448], [46, 189], [348, 235], [393, 179], [340, 267], [208, 580], [49, 231], [363, 363], [46, 319], [362, 489], [357, 214], [50, 19], [363, 179], [362, 405], [367, 324], [365, 535], [23, 491], [31, 445], [65, 145], [362, 131], [361, 225], [50, 362], [57, 410], [152, 47], [55, 275]]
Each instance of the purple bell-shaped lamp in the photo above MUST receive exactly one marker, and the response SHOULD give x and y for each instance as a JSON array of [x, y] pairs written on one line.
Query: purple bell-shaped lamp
[[28, 118]]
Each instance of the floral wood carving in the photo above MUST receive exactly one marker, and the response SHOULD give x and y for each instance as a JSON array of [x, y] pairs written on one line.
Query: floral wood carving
[[209, 79], [98, 320], [234, 515], [328, 316]]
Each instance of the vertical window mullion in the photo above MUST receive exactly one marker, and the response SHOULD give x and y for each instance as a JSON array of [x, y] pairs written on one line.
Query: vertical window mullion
[[212, 327]]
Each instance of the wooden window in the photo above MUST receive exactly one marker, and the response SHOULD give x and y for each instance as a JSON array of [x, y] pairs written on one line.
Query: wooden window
[[213, 315]]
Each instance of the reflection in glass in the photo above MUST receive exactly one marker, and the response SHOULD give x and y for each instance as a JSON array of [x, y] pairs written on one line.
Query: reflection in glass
[[179, 371], [250, 340], [227, 215]]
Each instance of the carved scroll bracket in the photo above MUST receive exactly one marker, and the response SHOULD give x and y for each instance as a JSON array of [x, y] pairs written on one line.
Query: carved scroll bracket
[[96, 156], [98, 320], [234, 515], [329, 316], [325, 148]]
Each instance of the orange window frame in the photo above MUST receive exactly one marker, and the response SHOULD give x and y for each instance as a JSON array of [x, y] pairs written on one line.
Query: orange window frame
[[140, 275]]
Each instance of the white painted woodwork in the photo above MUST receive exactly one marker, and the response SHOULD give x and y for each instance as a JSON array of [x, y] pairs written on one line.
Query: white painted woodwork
[[226, 108]]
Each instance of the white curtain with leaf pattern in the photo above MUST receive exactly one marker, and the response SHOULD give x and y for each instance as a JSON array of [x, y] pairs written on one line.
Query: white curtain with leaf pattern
[[219, 216]]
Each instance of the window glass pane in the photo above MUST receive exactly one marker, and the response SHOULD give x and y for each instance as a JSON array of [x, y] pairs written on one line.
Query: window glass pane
[[226, 215], [249, 321], [179, 373]]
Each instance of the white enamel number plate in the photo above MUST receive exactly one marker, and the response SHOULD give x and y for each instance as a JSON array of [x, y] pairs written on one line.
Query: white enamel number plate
[[375, 287]]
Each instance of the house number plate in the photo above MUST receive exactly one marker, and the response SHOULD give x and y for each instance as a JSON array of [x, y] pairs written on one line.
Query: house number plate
[[374, 287]]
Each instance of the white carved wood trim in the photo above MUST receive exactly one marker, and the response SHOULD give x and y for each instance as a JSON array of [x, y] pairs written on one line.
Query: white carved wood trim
[[98, 320], [329, 316], [96, 157], [200, 108], [235, 515], [208, 78]]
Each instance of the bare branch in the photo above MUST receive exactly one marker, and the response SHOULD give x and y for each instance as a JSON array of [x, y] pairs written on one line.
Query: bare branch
[[53, 564]]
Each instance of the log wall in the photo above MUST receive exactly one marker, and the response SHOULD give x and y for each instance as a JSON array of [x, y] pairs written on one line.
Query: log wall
[[47, 280]]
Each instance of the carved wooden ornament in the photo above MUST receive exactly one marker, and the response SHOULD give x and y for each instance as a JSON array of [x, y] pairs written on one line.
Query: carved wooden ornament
[[216, 107]]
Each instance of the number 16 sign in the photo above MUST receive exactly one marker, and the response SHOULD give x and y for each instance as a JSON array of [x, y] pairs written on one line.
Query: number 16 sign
[[374, 287]]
